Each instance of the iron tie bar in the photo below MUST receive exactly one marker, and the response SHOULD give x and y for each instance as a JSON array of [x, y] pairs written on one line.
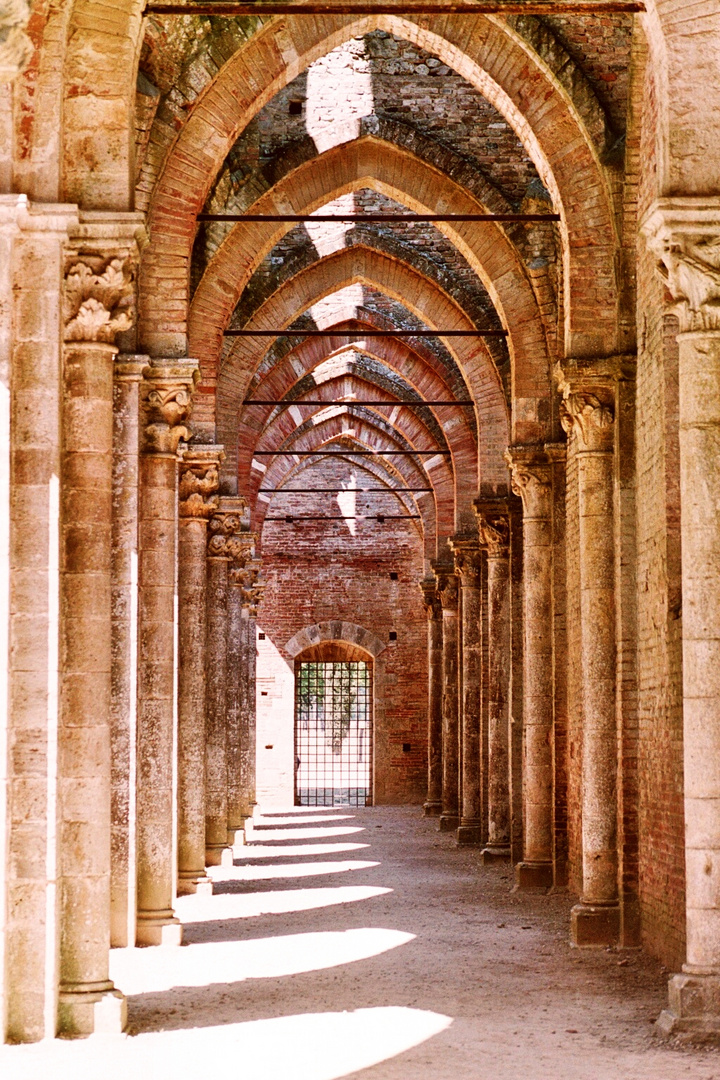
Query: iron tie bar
[[292, 518], [412, 404], [375, 218], [365, 333], [343, 453], [409, 7], [334, 491]]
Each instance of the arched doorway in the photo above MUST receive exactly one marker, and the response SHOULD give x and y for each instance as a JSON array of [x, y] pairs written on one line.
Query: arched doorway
[[333, 726]]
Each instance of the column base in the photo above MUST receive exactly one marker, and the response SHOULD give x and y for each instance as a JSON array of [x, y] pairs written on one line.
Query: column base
[[91, 1009], [236, 837], [593, 926], [469, 832], [219, 856], [158, 928], [694, 1009], [194, 885], [495, 853], [432, 809], [448, 822], [533, 876]]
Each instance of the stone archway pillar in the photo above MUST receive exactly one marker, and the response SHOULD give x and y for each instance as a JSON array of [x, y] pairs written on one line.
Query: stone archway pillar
[[167, 399], [532, 481], [468, 567], [448, 591], [198, 500], [684, 233], [433, 607], [588, 417], [98, 300], [494, 528], [243, 571], [250, 591]]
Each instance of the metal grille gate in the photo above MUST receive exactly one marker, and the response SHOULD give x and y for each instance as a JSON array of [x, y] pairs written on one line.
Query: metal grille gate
[[333, 733]]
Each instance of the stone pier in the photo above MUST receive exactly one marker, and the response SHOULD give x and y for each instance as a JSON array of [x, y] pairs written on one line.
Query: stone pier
[[531, 480], [433, 802], [167, 399], [198, 500], [447, 586], [494, 528], [468, 567]]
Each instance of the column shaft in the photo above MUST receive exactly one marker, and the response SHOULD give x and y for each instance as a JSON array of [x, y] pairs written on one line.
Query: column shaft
[[216, 766], [468, 563], [448, 589], [124, 599], [433, 607], [237, 736]]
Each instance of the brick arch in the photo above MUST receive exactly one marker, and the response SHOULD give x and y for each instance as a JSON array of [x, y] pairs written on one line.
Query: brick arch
[[483, 50], [397, 280], [401, 175], [334, 630]]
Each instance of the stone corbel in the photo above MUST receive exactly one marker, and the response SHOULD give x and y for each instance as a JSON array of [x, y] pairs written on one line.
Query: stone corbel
[[199, 481], [447, 586], [531, 479], [468, 553], [431, 599], [494, 530], [683, 233], [100, 274], [167, 400]]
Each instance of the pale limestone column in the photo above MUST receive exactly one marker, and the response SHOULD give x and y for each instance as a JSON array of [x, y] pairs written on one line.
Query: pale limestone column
[[494, 529], [587, 414], [222, 546], [531, 480], [167, 399], [98, 300], [123, 600], [197, 501], [30, 886], [684, 233], [243, 546], [433, 607], [468, 568], [448, 591]]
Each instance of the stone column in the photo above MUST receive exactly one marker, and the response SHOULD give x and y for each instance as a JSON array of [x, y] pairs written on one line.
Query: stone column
[[167, 398], [198, 500], [531, 480], [99, 294], [587, 414], [448, 591], [237, 734], [468, 567], [252, 600], [684, 233], [433, 607], [224, 529], [123, 673], [494, 528]]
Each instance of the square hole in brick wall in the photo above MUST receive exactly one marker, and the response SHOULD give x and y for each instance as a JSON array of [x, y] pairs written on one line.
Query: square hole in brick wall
[[295, 108], [393, 575], [393, 635], [261, 636], [406, 748]]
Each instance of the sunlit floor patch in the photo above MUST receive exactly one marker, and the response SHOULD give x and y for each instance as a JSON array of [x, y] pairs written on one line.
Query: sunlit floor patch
[[296, 819], [290, 870], [277, 851], [145, 971], [280, 835], [308, 1046], [193, 909]]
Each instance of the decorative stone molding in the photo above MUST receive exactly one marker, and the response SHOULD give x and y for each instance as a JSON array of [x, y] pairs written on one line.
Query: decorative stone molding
[[531, 479], [100, 273], [227, 539], [586, 417], [431, 599], [334, 631], [468, 555], [16, 48], [167, 399], [494, 529], [246, 577], [447, 586], [684, 235], [199, 481]]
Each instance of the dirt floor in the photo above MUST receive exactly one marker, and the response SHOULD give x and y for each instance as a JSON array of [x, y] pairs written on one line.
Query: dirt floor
[[365, 944]]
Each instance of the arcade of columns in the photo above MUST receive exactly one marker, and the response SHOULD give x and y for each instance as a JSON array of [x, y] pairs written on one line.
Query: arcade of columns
[[130, 571]]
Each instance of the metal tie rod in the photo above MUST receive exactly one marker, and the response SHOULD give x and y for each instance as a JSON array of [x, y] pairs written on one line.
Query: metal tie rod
[[337, 490], [374, 218], [366, 333], [343, 453], [292, 518], [409, 7], [412, 404]]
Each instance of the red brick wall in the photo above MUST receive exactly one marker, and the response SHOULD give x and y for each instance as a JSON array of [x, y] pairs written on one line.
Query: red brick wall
[[318, 571]]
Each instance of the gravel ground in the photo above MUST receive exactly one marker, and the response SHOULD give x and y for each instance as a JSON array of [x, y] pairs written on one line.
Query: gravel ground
[[363, 943]]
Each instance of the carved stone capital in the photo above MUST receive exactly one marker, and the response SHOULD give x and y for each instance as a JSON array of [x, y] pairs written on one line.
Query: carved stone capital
[[447, 586], [431, 598], [684, 235], [585, 417], [16, 48], [224, 536], [531, 479], [130, 367], [199, 481], [100, 272], [494, 529], [167, 400], [467, 553], [247, 579]]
